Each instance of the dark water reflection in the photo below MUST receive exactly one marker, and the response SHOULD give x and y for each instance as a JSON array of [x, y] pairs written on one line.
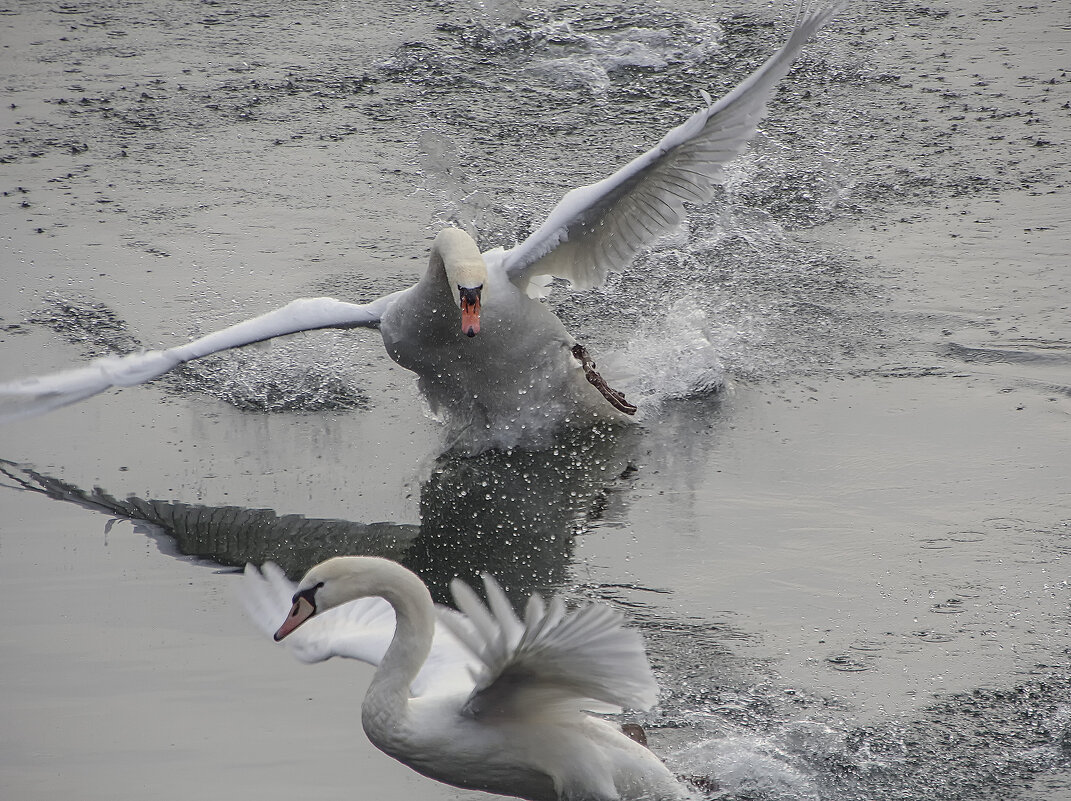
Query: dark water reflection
[[513, 514]]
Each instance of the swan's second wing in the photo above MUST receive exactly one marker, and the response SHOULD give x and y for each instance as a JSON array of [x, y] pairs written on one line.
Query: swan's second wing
[[602, 226], [32, 396], [361, 630], [553, 660]]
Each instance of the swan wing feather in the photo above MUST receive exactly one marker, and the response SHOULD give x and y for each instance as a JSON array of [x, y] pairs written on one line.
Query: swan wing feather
[[556, 659], [600, 227], [35, 395], [361, 630]]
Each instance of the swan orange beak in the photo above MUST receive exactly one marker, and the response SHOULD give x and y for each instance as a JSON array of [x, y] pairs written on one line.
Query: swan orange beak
[[301, 611], [470, 310]]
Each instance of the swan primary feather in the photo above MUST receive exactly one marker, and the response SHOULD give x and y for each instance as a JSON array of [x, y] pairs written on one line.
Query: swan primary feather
[[485, 352]]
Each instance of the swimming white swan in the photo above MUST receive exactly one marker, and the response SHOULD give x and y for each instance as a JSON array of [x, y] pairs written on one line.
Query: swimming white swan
[[477, 699], [482, 348]]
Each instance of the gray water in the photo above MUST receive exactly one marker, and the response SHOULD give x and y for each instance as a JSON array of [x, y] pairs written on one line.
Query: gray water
[[841, 524]]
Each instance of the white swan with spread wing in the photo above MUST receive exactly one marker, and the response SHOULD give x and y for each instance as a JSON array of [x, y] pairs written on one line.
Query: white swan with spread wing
[[478, 698], [484, 349]]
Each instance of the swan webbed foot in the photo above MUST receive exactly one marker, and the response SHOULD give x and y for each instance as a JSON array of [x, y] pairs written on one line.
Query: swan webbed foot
[[616, 399], [634, 731]]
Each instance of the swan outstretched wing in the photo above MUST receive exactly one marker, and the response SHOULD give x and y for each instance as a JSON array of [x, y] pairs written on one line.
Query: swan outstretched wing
[[602, 226], [31, 396], [554, 659], [361, 630]]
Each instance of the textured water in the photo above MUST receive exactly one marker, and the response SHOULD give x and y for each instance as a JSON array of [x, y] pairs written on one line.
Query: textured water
[[843, 521]]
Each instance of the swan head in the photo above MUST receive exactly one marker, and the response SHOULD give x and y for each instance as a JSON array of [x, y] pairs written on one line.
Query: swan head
[[333, 583], [466, 272]]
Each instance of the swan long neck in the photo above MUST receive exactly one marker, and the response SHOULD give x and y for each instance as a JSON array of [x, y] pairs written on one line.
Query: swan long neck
[[388, 695], [455, 260]]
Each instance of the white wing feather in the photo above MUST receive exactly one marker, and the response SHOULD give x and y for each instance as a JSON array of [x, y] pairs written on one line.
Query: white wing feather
[[601, 227], [361, 630], [31, 396], [585, 659]]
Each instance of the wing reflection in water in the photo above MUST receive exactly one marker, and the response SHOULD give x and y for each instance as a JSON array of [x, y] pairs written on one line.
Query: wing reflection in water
[[231, 535], [513, 514]]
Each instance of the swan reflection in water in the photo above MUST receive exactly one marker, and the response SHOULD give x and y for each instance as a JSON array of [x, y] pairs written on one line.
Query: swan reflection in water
[[512, 514]]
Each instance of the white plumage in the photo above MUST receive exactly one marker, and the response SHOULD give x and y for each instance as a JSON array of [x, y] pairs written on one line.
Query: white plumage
[[477, 698]]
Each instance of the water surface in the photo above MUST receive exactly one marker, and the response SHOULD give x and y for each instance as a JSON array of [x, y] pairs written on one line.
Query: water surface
[[842, 523]]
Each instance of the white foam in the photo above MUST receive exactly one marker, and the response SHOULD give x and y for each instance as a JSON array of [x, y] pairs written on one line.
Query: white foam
[[590, 59], [571, 73], [678, 356], [746, 766]]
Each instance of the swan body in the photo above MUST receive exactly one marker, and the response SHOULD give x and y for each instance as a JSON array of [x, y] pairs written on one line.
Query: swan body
[[475, 379], [510, 365], [478, 698]]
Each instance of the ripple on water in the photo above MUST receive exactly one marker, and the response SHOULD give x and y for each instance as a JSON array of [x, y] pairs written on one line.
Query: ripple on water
[[953, 606], [868, 646], [936, 544], [1006, 523], [951, 540], [850, 663]]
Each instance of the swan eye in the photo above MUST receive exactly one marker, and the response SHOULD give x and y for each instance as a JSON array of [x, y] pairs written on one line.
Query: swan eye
[[309, 595]]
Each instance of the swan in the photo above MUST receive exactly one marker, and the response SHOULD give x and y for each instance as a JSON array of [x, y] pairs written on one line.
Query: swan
[[484, 349], [477, 698]]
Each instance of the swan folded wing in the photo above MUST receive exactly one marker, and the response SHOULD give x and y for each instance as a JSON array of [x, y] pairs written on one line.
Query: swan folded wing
[[554, 660], [38, 394], [600, 227]]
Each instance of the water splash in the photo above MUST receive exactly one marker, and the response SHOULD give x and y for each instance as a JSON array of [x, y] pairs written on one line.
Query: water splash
[[591, 58], [679, 356], [743, 766], [756, 746], [273, 382]]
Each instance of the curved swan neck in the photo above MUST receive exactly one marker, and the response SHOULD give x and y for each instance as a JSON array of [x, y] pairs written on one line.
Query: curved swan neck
[[456, 258], [414, 614]]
